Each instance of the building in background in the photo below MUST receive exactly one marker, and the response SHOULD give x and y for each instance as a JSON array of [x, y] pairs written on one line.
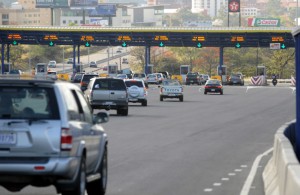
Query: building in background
[[24, 13], [211, 7]]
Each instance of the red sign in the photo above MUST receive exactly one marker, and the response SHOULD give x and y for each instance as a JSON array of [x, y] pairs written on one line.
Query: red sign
[[234, 5]]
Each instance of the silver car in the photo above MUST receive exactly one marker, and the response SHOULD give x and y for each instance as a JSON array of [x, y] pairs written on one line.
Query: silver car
[[49, 136], [137, 91], [108, 93]]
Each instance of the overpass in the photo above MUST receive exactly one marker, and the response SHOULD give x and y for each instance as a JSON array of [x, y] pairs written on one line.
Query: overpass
[[272, 37]]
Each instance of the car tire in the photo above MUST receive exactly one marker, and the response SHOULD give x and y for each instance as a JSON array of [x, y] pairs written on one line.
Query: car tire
[[80, 182], [98, 187], [144, 103], [161, 98], [205, 92], [221, 93], [123, 112], [181, 99]]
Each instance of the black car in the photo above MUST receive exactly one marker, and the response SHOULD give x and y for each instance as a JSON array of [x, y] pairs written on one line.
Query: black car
[[193, 78], [85, 79], [77, 78], [213, 86], [236, 79]]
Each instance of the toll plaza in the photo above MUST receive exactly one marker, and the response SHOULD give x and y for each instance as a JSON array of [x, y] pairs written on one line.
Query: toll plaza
[[87, 36]]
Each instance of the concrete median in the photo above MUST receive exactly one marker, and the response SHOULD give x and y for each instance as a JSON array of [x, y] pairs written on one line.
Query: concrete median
[[281, 176]]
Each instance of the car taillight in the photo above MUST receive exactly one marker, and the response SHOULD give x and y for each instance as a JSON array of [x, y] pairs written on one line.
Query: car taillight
[[66, 139], [206, 86], [219, 86]]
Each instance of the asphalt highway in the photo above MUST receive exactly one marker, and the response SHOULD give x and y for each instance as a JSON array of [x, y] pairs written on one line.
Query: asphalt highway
[[205, 145]]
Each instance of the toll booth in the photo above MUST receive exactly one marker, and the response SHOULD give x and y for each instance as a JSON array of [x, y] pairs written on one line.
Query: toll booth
[[149, 70], [79, 68], [7, 67], [262, 73], [41, 70], [222, 71], [184, 69], [112, 70]]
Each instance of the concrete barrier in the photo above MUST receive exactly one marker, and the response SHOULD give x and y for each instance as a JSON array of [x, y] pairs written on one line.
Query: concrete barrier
[[281, 176]]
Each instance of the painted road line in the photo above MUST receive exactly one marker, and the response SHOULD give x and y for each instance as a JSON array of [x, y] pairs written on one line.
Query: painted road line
[[247, 185]]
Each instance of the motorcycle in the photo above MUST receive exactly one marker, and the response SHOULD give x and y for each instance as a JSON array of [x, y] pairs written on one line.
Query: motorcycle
[[274, 81]]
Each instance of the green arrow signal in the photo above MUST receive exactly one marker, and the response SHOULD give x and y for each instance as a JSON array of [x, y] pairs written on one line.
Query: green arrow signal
[[238, 45], [283, 46], [87, 44], [199, 45], [161, 44], [15, 43], [124, 44], [51, 43]]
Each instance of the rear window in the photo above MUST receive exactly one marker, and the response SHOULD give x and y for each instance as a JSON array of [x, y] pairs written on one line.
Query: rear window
[[132, 83], [107, 84], [88, 77], [28, 103]]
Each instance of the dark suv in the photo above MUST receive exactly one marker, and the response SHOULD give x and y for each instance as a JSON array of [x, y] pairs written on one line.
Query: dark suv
[[193, 78], [49, 136], [108, 93], [85, 79]]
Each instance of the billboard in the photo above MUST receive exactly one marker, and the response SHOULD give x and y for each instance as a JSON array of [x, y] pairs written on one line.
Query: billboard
[[264, 22], [103, 10], [51, 3], [83, 3]]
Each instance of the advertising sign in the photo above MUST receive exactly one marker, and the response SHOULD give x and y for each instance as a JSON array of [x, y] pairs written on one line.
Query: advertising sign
[[234, 6], [51, 3], [83, 3], [264, 22], [103, 10]]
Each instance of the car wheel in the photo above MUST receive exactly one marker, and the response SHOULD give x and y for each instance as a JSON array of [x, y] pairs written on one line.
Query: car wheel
[[161, 98], [144, 103], [221, 93], [205, 92], [181, 99], [98, 187], [123, 112], [80, 182]]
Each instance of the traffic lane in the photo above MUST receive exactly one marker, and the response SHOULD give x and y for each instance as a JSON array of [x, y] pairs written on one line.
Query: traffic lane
[[173, 147]]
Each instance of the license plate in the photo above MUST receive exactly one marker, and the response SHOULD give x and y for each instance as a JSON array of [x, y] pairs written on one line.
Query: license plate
[[134, 100], [172, 94], [192, 81], [8, 138], [234, 81], [213, 90]]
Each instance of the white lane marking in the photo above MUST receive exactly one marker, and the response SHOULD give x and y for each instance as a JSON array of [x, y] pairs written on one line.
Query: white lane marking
[[217, 184], [247, 185], [225, 179], [231, 174], [238, 170], [208, 190], [244, 166]]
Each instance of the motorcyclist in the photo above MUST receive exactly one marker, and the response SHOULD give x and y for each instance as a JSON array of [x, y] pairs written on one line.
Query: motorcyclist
[[274, 80]]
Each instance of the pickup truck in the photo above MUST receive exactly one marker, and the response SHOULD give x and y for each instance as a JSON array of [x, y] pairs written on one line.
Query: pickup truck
[[171, 89]]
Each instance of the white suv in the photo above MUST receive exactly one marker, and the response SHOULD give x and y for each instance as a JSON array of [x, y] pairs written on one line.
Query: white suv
[[137, 91]]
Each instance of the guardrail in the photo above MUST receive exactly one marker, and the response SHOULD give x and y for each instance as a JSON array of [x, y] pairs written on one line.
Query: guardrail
[[281, 176]]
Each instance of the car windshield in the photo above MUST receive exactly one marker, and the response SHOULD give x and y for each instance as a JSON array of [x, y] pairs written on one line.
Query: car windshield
[[132, 83], [28, 103], [213, 82], [151, 76], [86, 78]]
